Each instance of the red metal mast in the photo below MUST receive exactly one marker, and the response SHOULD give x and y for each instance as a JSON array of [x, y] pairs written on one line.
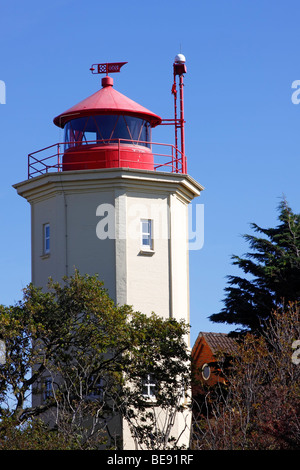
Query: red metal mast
[[179, 68]]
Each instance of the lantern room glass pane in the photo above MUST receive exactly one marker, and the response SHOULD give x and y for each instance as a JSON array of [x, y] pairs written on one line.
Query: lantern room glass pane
[[107, 129]]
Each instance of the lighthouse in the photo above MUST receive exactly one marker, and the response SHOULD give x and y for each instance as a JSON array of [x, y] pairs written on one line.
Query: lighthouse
[[110, 200]]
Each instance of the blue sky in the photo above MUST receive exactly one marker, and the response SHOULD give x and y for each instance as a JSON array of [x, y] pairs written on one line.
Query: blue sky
[[242, 129]]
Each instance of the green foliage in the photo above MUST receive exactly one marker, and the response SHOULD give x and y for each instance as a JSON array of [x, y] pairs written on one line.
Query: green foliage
[[95, 353], [272, 271], [34, 435]]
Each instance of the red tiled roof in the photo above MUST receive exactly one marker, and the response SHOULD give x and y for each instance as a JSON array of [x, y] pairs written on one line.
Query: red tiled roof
[[217, 341]]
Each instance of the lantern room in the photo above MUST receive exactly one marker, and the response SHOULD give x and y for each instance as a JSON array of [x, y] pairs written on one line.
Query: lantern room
[[110, 130], [107, 130]]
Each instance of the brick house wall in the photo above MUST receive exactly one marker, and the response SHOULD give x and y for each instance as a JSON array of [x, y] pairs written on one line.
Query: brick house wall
[[204, 354]]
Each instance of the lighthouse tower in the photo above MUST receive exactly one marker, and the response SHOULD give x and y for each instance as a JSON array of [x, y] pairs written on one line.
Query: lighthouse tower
[[110, 201]]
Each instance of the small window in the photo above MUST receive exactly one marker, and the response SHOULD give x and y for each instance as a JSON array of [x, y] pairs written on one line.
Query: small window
[[206, 371], [149, 387], [96, 388], [46, 239], [47, 389], [146, 233]]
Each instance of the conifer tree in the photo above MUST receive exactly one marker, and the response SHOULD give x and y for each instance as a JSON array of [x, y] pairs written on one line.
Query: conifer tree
[[272, 270]]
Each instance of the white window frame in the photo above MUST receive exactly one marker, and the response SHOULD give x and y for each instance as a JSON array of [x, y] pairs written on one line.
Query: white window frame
[[46, 239], [147, 235], [206, 371], [150, 385]]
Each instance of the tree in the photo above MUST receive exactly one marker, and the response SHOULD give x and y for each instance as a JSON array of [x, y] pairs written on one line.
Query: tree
[[259, 406], [272, 274], [87, 358]]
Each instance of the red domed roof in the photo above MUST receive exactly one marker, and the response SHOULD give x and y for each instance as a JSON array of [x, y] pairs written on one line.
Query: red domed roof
[[107, 100]]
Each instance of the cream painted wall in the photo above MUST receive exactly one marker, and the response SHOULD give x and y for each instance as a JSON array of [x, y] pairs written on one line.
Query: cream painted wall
[[73, 240], [148, 273], [179, 258], [69, 202], [48, 210], [86, 251]]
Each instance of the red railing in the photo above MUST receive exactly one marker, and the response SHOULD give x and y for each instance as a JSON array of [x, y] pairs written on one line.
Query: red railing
[[50, 159]]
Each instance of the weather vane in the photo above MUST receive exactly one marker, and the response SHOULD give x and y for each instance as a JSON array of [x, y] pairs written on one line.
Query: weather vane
[[111, 67]]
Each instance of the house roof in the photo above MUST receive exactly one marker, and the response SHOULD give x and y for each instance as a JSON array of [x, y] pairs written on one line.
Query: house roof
[[216, 342]]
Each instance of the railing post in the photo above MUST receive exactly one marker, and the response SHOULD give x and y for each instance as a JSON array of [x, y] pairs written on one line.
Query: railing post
[[174, 162], [58, 157]]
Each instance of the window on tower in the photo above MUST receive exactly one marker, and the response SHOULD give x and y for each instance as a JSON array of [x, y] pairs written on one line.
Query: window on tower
[[46, 240], [107, 129], [47, 389], [96, 388], [147, 234], [148, 390]]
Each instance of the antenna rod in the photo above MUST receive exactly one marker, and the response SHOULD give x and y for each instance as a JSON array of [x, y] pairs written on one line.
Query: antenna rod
[[182, 119], [174, 91], [179, 69]]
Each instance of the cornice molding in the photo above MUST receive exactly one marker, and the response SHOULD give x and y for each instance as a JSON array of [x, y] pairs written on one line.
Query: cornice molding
[[71, 182]]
